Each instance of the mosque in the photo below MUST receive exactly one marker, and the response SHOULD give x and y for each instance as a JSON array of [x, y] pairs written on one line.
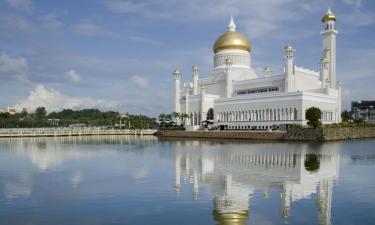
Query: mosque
[[234, 96]]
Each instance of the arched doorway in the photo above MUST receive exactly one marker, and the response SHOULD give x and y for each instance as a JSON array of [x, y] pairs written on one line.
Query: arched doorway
[[210, 114]]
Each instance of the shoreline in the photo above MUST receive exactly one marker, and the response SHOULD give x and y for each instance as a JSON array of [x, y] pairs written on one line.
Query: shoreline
[[69, 132], [292, 135]]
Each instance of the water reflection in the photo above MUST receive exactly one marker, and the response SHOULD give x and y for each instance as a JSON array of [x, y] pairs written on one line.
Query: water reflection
[[296, 171], [51, 152], [127, 180]]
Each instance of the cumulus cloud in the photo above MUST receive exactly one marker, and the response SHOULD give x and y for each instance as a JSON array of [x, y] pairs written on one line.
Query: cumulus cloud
[[25, 5], [356, 3], [53, 100], [73, 76], [139, 81], [91, 29], [15, 68]]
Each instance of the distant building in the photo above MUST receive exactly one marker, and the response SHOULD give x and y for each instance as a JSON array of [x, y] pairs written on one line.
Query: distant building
[[364, 110], [11, 111], [54, 122]]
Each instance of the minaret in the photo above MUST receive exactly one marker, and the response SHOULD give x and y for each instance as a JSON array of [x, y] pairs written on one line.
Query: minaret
[[324, 71], [195, 79], [177, 77], [289, 68], [329, 43]]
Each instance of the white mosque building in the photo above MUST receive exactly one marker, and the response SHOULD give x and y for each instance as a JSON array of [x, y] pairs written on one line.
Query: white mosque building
[[233, 96]]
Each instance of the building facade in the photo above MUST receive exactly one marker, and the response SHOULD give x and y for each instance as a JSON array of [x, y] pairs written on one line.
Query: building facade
[[234, 96], [364, 110]]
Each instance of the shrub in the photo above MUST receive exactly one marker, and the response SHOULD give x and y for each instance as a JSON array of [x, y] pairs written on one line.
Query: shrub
[[345, 124], [313, 115]]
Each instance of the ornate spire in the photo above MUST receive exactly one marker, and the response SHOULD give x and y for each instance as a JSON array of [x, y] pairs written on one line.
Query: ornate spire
[[329, 16], [231, 25]]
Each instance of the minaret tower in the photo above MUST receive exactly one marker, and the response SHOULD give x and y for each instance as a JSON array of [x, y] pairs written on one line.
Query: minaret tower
[[195, 79], [289, 68], [329, 45], [324, 71], [177, 77]]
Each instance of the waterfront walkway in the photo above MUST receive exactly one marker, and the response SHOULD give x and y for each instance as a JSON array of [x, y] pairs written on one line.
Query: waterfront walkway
[[51, 132]]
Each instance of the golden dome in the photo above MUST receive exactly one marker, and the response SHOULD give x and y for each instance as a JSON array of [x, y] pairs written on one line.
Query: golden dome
[[329, 16], [232, 40], [231, 218]]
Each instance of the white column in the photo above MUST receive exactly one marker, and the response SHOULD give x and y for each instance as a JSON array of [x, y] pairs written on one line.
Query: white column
[[187, 105], [177, 76], [203, 101], [195, 79]]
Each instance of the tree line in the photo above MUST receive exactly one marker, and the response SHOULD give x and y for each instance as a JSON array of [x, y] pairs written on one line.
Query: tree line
[[69, 117]]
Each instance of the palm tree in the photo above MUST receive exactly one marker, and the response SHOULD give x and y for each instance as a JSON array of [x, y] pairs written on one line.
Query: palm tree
[[176, 115], [184, 116]]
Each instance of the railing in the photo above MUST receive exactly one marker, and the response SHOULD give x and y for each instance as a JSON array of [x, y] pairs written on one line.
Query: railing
[[34, 132]]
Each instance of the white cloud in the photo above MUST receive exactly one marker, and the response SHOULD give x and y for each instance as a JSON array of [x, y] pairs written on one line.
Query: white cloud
[[355, 3], [139, 81], [25, 5], [16, 68], [73, 76], [91, 29], [257, 18], [53, 100]]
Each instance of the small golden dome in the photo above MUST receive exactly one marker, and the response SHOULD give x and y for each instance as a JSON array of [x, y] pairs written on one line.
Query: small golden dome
[[232, 40], [288, 47], [329, 16], [176, 72], [324, 60]]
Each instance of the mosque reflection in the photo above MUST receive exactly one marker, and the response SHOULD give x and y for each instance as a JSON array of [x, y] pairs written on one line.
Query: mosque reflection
[[233, 176]]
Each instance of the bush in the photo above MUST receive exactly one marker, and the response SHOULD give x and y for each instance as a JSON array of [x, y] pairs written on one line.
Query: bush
[[345, 124], [313, 115], [297, 126]]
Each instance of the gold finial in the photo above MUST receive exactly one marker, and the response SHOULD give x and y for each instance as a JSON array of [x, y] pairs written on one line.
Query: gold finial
[[329, 16]]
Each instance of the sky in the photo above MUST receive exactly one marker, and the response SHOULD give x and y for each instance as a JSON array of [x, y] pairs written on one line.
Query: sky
[[120, 54]]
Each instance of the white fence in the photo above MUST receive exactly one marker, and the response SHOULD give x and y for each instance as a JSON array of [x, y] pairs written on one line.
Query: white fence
[[45, 132]]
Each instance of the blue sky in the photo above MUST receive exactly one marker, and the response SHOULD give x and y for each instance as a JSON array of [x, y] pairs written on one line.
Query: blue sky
[[120, 54]]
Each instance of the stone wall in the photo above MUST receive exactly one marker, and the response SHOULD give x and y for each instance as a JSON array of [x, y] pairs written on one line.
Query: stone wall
[[293, 134], [329, 134], [305, 134], [248, 135], [342, 133]]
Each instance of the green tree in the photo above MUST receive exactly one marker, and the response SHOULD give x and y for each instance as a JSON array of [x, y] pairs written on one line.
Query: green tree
[[176, 115], [40, 113], [23, 112], [346, 116], [162, 117], [313, 115]]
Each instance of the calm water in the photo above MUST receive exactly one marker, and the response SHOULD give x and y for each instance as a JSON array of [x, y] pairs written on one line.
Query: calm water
[[133, 180]]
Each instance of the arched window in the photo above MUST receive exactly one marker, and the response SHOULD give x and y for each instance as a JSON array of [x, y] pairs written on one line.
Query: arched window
[[210, 114]]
